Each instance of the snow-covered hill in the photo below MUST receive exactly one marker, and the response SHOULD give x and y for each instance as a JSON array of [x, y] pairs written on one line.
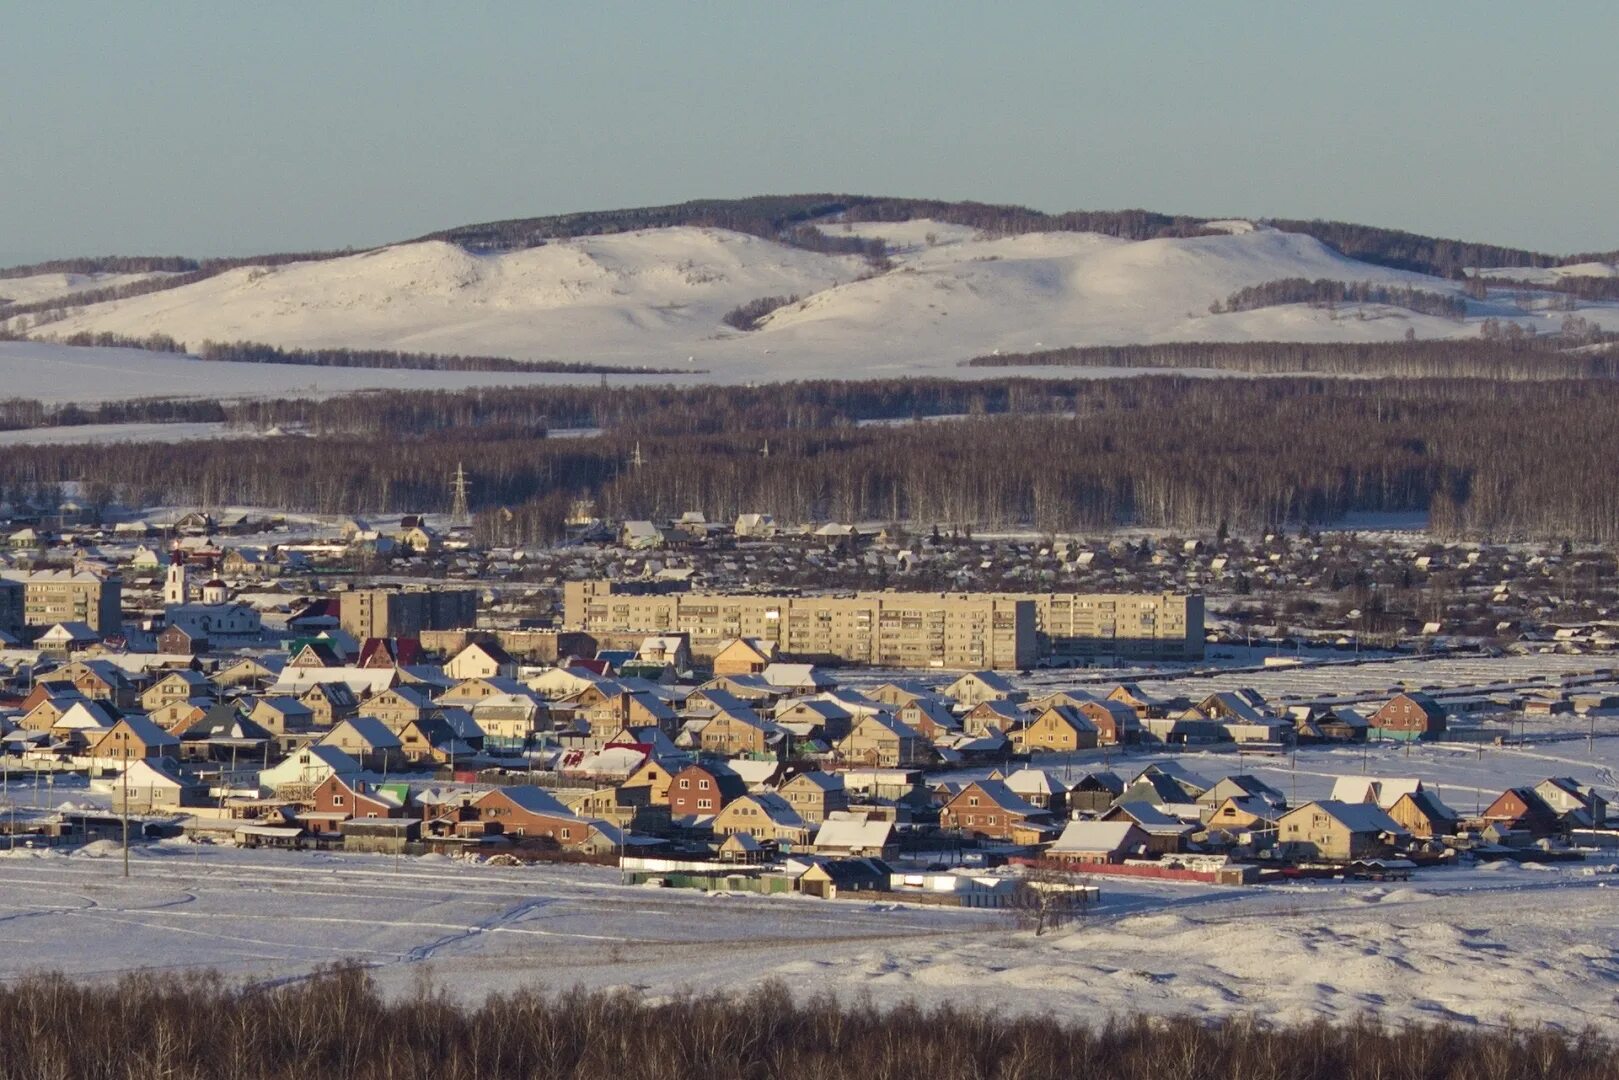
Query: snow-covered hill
[[37, 287], [658, 297]]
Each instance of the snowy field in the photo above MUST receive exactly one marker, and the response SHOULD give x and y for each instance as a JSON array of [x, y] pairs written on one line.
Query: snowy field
[[120, 433], [1484, 945], [658, 298]]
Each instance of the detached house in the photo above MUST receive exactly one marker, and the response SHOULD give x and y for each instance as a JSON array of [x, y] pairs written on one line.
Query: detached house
[[399, 707], [703, 790], [763, 815], [1098, 842], [135, 738], [880, 741], [1339, 831], [743, 656], [1408, 716], [977, 687], [481, 660], [330, 702], [815, 795], [530, 814], [1057, 729], [991, 810]]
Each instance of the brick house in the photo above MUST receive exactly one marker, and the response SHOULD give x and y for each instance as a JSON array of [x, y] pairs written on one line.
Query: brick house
[[1410, 715], [989, 809], [703, 790]]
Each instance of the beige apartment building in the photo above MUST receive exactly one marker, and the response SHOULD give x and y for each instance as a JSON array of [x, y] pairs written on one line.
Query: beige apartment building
[[886, 629], [891, 629], [383, 613], [1166, 626], [58, 596]]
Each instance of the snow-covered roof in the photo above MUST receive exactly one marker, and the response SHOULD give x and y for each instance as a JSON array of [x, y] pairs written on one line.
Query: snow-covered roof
[[1092, 836]]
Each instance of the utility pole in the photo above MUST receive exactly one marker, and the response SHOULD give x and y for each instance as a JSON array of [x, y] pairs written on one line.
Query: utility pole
[[126, 808]]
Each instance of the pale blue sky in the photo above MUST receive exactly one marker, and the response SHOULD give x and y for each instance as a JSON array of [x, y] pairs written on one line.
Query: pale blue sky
[[220, 127]]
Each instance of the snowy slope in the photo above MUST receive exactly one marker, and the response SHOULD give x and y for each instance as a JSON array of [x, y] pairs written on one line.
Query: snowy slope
[[36, 287], [657, 297], [1549, 275]]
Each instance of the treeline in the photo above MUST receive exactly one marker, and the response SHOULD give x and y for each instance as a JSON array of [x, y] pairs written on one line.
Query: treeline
[[774, 215], [1482, 459], [1495, 357], [808, 237], [253, 352], [748, 316], [1325, 291], [104, 264], [1575, 286], [664, 411], [1424, 254], [337, 1024], [780, 217], [22, 413]]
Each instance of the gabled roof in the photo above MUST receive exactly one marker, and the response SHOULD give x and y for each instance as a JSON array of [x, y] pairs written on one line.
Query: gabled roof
[[1035, 782], [148, 732], [224, 723], [777, 809], [529, 798], [824, 780], [370, 730], [1152, 819], [1069, 715], [990, 680], [797, 676], [1007, 799], [1092, 836], [1357, 817], [850, 832], [1430, 806]]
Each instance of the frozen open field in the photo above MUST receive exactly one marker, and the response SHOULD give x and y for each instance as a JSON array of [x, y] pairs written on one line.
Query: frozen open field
[[1535, 946]]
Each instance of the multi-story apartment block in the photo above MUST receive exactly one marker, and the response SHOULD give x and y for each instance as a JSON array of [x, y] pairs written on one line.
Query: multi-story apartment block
[[11, 606], [890, 629], [58, 596], [1166, 626], [383, 613], [883, 629]]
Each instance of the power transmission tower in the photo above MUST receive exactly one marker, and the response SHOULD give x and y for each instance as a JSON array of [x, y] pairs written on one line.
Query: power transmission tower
[[636, 459], [458, 492]]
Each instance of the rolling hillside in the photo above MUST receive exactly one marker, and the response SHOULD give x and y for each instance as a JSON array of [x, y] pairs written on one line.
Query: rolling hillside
[[944, 292]]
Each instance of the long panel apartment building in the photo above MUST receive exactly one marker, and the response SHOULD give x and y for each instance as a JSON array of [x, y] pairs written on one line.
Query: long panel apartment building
[[885, 629], [893, 629]]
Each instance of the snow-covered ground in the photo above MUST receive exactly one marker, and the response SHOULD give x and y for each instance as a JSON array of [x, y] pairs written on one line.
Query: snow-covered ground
[[1475, 945], [658, 297], [115, 433], [1548, 275], [37, 287]]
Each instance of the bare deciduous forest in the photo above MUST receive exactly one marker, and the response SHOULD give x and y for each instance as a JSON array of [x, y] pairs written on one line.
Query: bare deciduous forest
[[1324, 292], [336, 1024], [1492, 356], [1504, 460]]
